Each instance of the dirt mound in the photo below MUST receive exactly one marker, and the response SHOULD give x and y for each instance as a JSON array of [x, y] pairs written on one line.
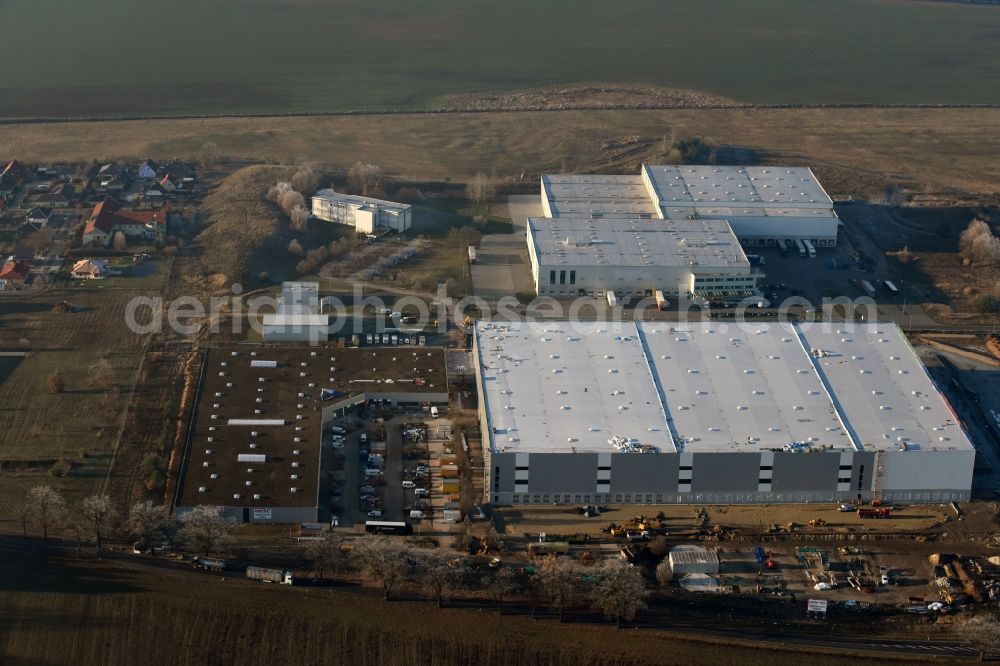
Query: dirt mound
[[560, 98], [240, 223]]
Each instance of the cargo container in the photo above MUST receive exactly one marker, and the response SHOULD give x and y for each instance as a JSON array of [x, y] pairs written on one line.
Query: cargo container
[[270, 575], [612, 299]]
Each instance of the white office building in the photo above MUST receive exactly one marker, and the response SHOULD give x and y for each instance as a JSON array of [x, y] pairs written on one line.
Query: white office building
[[365, 214]]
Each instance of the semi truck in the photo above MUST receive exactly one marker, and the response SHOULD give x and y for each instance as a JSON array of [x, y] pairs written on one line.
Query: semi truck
[[755, 259], [270, 575], [472, 254], [612, 299], [810, 250], [801, 247], [783, 247], [867, 286], [661, 301]]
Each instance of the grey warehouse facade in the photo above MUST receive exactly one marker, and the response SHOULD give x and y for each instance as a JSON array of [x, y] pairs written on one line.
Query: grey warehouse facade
[[647, 413]]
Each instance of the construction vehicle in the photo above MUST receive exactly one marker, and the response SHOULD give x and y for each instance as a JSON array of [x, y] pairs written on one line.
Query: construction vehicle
[[874, 513], [817, 522]]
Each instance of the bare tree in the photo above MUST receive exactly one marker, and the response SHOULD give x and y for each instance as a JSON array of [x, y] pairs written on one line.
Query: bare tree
[[208, 155], [147, 522], [205, 529], [300, 218], [382, 559], [501, 585], [103, 377], [441, 573], [480, 189], [278, 190], [118, 242], [664, 572], [986, 249], [48, 508], [620, 591], [305, 181], [55, 383], [983, 631], [976, 229], [98, 514], [325, 554], [365, 178], [560, 580]]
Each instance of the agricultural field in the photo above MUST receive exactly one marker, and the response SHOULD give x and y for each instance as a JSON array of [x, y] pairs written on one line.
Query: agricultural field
[[296, 56], [65, 436], [855, 152], [60, 610]]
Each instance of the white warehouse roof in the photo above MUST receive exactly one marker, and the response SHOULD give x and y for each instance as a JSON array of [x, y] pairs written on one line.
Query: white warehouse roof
[[763, 187], [355, 201], [624, 241], [564, 386]]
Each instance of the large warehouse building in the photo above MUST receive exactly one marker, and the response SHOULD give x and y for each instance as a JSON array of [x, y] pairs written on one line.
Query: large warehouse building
[[646, 413], [677, 229], [256, 438], [573, 256], [365, 214], [761, 204]]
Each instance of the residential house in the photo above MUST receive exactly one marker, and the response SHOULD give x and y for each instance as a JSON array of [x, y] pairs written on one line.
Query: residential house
[[178, 171], [108, 218], [23, 254], [90, 269], [12, 174], [147, 170], [38, 217], [13, 273], [168, 185], [62, 196], [154, 196]]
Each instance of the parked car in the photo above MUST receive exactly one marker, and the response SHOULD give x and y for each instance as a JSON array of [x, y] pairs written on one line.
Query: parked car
[[409, 484], [375, 514], [421, 492]]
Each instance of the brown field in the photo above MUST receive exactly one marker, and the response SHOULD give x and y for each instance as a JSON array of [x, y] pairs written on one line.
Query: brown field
[[85, 611], [854, 151]]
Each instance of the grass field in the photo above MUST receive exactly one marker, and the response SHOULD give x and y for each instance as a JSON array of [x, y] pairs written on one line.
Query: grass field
[[253, 56], [853, 151]]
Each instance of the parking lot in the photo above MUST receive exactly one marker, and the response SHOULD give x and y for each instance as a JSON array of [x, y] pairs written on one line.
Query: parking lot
[[377, 466]]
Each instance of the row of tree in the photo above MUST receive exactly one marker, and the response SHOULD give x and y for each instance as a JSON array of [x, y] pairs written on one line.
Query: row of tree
[[615, 587], [95, 518]]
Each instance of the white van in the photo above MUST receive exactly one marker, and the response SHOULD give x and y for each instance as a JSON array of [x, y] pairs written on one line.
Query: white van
[[409, 484], [417, 515], [434, 412]]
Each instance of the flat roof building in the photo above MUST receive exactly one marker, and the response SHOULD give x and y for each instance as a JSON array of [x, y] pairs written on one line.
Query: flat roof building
[[760, 205], [575, 256], [297, 317], [653, 413], [256, 439], [365, 214]]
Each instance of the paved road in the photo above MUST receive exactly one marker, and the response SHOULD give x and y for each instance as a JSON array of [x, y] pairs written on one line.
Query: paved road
[[502, 267]]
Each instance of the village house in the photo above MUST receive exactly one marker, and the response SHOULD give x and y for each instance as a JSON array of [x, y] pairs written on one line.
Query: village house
[[62, 196], [108, 218], [90, 269], [13, 273], [147, 170], [38, 217]]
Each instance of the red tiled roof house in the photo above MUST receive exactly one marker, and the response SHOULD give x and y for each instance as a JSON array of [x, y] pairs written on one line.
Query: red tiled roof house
[[108, 218]]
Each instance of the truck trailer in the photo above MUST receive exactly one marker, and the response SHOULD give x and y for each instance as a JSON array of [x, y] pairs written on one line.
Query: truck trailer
[[874, 513], [661, 301], [209, 564], [472, 254], [270, 575], [867, 286], [810, 250]]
